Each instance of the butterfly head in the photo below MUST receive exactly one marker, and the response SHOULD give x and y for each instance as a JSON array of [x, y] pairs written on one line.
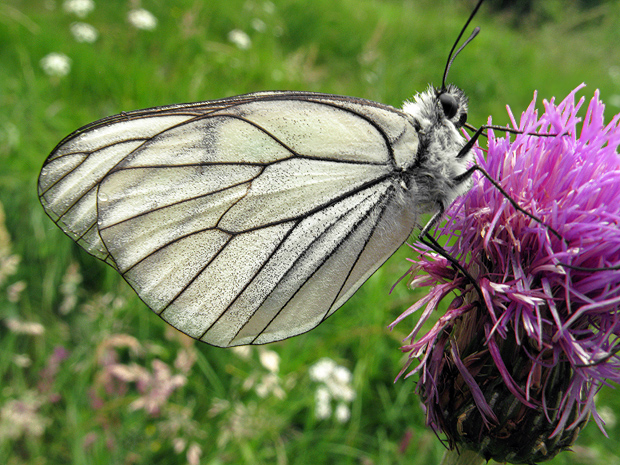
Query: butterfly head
[[438, 108], [439, 114], [453, 104]]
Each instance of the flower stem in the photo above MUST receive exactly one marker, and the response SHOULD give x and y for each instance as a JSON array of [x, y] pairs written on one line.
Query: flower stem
[[465, 457]]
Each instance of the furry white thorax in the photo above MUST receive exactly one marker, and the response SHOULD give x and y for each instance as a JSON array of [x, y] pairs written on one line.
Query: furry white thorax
[[440, 142]]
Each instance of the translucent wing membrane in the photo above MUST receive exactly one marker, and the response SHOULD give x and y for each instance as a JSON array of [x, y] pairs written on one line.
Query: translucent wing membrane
[[244, 220]]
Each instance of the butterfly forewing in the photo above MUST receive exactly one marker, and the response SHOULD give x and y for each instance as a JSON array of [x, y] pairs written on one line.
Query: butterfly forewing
[[71, 174], [244, 220]]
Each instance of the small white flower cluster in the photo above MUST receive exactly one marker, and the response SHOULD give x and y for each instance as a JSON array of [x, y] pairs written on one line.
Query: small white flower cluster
[[79, 8], [142, 19], [240, 39], [269, 384], [58, 64], [335, 385], [84, 32], [264, 384], [24, 327]]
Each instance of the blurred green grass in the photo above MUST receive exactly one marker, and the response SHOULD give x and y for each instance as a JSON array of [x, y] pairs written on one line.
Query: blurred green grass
[[383, 51]]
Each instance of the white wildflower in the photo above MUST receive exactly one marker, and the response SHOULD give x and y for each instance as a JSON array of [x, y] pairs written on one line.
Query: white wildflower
[[270, 360], [322, 369], [342, 413], [270, 384], [339, 384], [22, 360], [142, 19], [243, 352], [79, 8], [185, 359], [56, 64], [335, 384], [194, 451], [322, 402], [83, 32], [341, 375], [179, 444], [14, 291], [24, 327], [340, 391], [240, 39]]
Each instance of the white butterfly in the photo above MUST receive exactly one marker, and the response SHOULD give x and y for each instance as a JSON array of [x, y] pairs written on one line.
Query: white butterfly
[[252, 219]]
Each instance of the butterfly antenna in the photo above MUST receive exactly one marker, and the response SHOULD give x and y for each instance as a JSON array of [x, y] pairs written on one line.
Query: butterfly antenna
[[452, 55]]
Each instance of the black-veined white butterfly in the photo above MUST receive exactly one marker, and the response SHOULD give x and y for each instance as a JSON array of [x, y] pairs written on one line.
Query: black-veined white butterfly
[[252, 219]]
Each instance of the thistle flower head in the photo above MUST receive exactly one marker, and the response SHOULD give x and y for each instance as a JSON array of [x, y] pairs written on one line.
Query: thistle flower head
[[511, 368]]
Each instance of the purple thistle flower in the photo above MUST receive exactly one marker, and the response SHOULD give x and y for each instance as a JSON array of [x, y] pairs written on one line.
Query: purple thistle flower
[[510, 371]]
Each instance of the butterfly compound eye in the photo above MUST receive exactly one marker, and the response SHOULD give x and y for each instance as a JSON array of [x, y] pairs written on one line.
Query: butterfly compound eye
[[449, 105]]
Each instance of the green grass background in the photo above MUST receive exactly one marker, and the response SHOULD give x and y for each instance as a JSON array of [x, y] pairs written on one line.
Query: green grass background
[[384, 51]]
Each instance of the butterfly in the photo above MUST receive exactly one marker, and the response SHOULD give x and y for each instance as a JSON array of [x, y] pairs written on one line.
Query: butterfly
[[252, 219]]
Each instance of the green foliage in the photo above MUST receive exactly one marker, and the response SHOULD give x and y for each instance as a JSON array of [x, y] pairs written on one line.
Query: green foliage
[[89, 375]]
